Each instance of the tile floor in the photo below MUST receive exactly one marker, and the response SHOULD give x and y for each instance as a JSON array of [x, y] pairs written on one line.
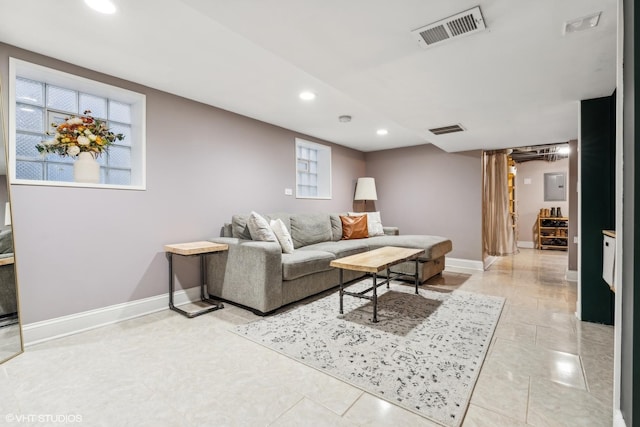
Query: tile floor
[[544, 368]]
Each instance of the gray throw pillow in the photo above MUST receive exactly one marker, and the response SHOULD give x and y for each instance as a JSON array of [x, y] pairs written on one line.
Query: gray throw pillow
[[239, 227]]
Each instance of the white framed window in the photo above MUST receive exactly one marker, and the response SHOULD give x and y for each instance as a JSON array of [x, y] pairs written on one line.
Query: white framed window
[[40, 96], [313, 170]]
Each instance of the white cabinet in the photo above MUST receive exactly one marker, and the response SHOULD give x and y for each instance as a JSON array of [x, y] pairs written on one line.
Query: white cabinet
[[609, 259]]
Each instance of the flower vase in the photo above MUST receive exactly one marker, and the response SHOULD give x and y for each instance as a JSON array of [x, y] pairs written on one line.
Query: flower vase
[[86, 169]]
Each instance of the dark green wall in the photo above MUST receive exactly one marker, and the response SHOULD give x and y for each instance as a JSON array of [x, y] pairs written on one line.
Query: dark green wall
[[597, 206]]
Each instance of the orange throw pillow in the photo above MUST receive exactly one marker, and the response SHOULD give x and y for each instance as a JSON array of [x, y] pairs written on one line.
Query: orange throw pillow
[[354, 227]]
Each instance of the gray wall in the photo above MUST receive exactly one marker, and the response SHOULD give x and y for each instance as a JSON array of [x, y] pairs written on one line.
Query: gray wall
[[81, 248], [424, 190]]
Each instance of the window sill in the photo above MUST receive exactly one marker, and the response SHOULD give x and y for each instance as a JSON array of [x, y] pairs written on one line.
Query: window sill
[[77, 185], [314, 197]]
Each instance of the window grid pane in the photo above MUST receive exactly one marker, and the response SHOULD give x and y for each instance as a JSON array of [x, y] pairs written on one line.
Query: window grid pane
[[60, 172], [119, 112], [123, 129], [96, 104], [29, 118], [62, 99], [29, 170], [29, 92], [26, 145], [119, 157], [119, 177]]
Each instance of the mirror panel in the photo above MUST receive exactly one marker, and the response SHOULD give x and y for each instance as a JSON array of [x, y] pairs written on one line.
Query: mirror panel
[[10, 328]]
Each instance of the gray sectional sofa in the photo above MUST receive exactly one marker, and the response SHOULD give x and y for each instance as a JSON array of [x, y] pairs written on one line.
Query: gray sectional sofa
[[8, 304], [257, 275]]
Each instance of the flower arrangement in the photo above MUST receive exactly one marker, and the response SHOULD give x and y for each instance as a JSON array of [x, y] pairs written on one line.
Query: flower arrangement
[[79, 134]]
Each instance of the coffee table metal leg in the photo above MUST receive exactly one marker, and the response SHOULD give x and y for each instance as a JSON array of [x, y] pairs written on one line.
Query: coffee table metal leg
[[375, 298], [341, 291], [417, 275]]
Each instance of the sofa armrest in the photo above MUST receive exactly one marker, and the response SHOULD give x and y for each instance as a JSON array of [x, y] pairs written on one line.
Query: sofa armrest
[[249, 273], [391, 231]]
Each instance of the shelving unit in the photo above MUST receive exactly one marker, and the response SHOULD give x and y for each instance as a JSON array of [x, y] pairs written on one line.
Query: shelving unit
[[553, 233], [511, 180]]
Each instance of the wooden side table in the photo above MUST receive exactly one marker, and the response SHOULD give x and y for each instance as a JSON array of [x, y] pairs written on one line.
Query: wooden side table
[[200, 249]]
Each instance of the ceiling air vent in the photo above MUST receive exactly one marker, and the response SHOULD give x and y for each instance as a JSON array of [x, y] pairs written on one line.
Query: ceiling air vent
[[446, 129], [461, 24]]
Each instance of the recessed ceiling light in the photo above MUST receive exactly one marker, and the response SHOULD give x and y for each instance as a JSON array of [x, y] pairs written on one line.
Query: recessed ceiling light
[[307, 95], [382, 131], [581, 24], [102, 6]]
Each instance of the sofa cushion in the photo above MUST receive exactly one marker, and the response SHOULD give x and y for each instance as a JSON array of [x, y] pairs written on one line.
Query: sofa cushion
[[307, 229], [302, 263], [354, 227], [340, 249], [239, 228], [282, 216], [434, 246]]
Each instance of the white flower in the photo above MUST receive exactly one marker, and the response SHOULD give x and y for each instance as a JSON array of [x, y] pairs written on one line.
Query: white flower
[[92, 137], [87, 132], [83, 140], [74, 121], [50, 142], [73, 150]]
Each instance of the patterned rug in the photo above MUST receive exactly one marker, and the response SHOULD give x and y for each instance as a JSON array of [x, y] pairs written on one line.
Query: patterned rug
[[424, 354]]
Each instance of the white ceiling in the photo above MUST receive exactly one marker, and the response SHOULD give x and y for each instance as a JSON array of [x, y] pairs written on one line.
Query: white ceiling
[[517, 83]]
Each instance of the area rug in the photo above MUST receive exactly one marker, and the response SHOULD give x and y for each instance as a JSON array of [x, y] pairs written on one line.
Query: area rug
[[424, 354]]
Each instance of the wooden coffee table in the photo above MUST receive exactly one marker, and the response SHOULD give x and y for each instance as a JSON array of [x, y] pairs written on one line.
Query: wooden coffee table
[[373, 262]]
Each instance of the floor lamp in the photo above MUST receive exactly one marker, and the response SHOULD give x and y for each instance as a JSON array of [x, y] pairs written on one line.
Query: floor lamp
[[366, 190]]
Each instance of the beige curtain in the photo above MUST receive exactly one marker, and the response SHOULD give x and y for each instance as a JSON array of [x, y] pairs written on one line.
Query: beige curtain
[[499, 233]]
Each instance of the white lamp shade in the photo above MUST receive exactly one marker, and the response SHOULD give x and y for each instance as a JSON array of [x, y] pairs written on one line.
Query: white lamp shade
[[366, 189]]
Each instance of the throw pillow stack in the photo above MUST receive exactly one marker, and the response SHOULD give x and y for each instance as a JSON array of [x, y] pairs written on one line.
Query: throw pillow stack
[[352, 227], [275, 231]]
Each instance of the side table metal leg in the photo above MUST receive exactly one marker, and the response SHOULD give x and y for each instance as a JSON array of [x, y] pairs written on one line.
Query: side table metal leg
[[203, 277], [388, 277], [417, 275], [171, 285], [204, 283], [341, 291], [375, 298]]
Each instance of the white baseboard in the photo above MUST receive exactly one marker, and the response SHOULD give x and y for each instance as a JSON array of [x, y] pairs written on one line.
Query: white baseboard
[[525, 244], [462, 265], [571, 276], [37, 332], [618, 420]]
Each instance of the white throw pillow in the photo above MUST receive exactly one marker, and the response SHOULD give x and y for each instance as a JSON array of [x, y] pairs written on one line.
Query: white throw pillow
[[374, 223], [283, 235], [259, 228]]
